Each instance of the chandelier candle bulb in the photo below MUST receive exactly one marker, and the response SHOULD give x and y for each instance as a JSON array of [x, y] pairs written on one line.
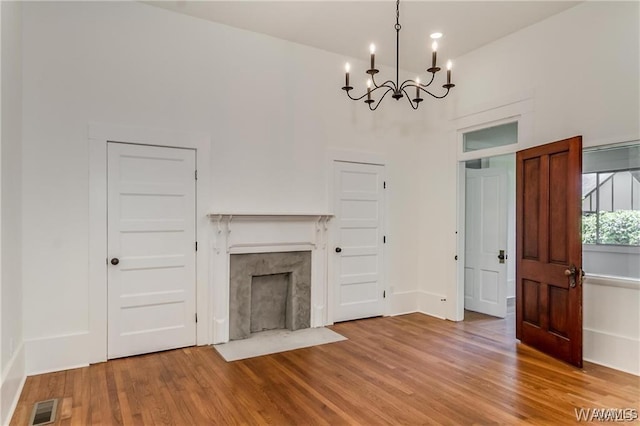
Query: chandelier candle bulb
[[434, 55], [449, 64], [369, 88], [372, 49], [347, 67], [417, 87]]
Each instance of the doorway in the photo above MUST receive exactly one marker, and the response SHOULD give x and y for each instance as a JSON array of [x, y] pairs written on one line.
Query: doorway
[[489, 235]]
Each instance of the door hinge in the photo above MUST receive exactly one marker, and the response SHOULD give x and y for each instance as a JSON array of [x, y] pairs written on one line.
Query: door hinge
[[384, 239], [196, 317], [196, 174], [384, 294], [196, 246], [384, 184]]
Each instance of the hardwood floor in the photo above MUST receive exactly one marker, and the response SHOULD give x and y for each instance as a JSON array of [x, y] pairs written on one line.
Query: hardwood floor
[[410, 369]]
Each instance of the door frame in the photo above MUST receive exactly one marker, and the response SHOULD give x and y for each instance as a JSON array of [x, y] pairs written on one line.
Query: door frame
[[376, 159], [99, 136], [519, 111]]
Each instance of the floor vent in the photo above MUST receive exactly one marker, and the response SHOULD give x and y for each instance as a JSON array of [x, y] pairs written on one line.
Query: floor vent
[[44, 412]]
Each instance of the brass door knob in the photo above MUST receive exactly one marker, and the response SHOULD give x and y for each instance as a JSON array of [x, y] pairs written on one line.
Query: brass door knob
[[571, 273]]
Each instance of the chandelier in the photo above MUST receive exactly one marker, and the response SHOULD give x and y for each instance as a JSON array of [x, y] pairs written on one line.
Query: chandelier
[[399, 90]]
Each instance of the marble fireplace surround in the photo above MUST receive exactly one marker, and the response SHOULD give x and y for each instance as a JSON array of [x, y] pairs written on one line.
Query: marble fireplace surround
[[269, 291], [242, 233]]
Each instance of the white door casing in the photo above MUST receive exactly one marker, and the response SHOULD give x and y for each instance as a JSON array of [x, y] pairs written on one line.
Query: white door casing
[[485, 278], [152, 232], [358, 225]]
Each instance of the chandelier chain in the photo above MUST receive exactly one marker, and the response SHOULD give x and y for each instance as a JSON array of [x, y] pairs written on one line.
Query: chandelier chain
[[398, 26]]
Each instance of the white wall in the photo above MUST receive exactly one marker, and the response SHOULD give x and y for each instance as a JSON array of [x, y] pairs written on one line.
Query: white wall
[[581, 65], [612, 322], [272, 108], [616, 261], [11, 340], [580, 69]]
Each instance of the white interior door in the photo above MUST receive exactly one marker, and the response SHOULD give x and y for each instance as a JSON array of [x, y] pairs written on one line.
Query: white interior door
[[358, 251], [485, 277], [151, 249]]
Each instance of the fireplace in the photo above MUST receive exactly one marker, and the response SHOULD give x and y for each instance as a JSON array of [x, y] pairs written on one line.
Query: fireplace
[[269, 291], [268, 271]]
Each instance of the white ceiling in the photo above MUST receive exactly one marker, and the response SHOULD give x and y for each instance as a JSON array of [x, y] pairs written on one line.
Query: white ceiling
[[348, 27]]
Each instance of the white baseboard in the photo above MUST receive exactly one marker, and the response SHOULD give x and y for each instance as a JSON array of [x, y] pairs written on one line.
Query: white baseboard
[[617, 352], [57, 353], [404, 302], [432, 304], [13, 378]]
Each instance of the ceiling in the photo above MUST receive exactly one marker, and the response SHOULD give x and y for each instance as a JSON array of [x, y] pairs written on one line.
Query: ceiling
[[348, 27]]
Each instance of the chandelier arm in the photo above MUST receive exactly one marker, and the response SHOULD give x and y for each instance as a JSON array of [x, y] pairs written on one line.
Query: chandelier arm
[[385, 86], [380, 100], [413, 83], [433, 76], [409, 100], [435, 96], [393, 85], [355, 99]]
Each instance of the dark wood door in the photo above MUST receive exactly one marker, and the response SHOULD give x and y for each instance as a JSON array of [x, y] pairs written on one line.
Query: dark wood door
[[549, 249]]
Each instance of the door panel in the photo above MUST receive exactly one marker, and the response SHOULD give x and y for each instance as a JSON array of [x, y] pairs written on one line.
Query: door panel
[[358, 265], [151, 231], [485, 235], [548, 202]]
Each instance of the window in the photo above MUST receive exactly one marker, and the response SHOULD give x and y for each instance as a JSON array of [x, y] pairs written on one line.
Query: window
[[611, 211], [491, 137], [611, 208]]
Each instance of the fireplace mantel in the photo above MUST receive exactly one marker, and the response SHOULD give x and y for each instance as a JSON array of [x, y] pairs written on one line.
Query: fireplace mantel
[[253, 232], [272, 214], [226, 217], [225, 223]]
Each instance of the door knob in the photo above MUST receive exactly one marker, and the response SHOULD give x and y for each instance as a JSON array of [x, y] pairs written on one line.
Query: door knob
[[501, 256], [115, 261], [571, 273], [338, 249]]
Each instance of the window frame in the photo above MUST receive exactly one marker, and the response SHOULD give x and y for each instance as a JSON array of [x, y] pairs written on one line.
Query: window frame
[[597, 211]]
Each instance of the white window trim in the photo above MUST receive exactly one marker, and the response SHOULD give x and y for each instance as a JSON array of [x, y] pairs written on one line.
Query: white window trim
[[611, 281], [611, 248]]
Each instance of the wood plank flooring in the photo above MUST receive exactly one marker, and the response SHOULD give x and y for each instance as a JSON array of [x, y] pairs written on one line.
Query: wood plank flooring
[[410, 369]]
